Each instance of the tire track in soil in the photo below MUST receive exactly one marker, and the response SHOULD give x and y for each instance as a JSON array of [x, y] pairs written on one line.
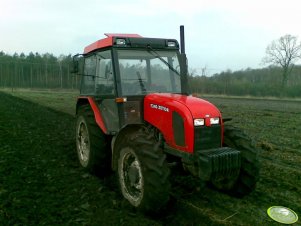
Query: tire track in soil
[[41, 182]]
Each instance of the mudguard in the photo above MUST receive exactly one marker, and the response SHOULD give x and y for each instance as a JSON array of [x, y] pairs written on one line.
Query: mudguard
[[97, 114]]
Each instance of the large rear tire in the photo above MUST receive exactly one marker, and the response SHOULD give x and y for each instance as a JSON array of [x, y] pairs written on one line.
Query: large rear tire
[[91, 143], [143, 172], [245, 182]]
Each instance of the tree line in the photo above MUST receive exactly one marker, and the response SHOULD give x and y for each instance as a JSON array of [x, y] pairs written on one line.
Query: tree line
[[254, 82], [46, 71], [37, 71], [281, 78]]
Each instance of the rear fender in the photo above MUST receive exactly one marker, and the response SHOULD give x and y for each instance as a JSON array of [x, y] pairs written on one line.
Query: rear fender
[[97, 114]]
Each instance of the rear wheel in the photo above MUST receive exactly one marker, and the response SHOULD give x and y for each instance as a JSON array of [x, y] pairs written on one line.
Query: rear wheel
[[143, 172], [91, 143], [245, 181]]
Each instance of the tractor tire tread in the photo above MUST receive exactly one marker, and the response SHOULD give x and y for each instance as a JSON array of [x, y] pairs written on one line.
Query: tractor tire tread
[[249, 173], [155, 171], [99, 163]]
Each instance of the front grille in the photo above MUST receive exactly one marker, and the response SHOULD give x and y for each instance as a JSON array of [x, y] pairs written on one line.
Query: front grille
[[207, 137]]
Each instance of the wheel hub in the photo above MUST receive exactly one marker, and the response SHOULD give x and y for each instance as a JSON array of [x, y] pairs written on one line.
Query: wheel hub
[[83, 142], [132, 176]]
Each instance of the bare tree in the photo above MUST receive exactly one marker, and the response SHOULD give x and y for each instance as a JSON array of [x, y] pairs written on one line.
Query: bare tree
[[284, 52], [204, 70], [192, 72]]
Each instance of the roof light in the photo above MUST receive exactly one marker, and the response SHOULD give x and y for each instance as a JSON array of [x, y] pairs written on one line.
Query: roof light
[[171, 44], [120, 41]]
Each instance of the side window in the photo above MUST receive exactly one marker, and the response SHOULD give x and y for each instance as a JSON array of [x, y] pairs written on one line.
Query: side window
[[88, 80], [104, 83]]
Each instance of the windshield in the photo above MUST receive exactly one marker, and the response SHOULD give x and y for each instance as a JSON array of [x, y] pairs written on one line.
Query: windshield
[[143, 71]]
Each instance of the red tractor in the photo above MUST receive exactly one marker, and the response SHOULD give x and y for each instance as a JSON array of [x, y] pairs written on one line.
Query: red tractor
[[134, 114]]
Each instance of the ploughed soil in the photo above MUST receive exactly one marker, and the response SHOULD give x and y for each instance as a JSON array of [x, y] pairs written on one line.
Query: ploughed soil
[[41, 182]]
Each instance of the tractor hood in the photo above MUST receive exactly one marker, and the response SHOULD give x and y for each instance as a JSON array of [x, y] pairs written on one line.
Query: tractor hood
[[198, 108], [174, 114]]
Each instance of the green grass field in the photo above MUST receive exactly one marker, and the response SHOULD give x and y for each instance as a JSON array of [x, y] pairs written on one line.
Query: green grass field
[[63, 101]]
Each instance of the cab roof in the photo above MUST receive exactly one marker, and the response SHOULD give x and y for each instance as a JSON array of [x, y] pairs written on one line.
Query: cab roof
[[131, 40], [108, 41]]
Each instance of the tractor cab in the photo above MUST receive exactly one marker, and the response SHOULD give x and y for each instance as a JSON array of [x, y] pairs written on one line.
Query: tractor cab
[[136, 65], [118, 71]]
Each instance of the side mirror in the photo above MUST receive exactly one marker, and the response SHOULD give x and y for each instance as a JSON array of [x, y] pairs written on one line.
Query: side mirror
[[77, 63]]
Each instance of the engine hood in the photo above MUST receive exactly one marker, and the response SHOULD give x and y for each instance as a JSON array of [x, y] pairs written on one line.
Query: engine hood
[[198, 108], [174, 114]]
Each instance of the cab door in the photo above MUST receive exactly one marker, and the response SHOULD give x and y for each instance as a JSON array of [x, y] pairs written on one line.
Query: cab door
[[105, 92]]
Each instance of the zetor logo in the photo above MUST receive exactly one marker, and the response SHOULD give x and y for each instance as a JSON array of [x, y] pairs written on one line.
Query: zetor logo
[[159, 107]]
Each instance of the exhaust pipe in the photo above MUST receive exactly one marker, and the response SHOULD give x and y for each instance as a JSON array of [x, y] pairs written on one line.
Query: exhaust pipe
[[184, 68], [182, 39]]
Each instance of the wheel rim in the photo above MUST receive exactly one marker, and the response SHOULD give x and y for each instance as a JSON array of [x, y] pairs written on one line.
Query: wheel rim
[[131, 178], [83, 143]]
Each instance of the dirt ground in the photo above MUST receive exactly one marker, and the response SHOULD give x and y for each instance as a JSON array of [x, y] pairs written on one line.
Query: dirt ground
[[41, 182]]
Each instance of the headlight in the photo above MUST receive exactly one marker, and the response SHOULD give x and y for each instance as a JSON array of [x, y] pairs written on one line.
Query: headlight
[[214, 121], [199, 122]]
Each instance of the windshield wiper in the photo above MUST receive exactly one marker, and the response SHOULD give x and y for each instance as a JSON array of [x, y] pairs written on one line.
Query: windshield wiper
[[140, 82], [155, 54]]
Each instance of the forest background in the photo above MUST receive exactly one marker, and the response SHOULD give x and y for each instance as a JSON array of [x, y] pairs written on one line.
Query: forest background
[[46, 71]]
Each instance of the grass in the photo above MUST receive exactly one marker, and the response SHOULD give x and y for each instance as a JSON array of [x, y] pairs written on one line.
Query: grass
[[61, 100]]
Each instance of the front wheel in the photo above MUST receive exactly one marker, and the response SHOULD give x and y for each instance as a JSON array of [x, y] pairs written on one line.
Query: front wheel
[[245, 181], [143, 173]]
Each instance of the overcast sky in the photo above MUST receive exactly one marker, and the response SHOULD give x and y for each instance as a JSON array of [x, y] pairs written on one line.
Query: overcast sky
[[220, 35]]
